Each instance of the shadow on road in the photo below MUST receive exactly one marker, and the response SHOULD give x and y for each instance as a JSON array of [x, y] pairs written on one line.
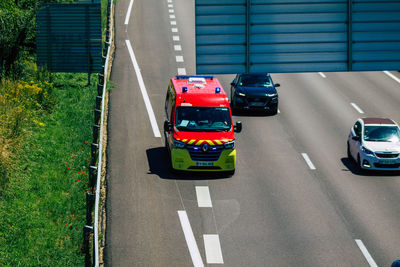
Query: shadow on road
[[352, 167], [159, 164]]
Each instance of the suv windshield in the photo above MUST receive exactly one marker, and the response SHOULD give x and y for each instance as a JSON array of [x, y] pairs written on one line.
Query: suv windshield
[[203, 119], [254, 80], [382, 134]]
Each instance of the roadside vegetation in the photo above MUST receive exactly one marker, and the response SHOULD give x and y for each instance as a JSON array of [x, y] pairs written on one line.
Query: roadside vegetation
[[45, 134]]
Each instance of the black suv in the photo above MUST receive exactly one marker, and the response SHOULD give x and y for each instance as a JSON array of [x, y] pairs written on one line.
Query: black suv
[[254, 92]]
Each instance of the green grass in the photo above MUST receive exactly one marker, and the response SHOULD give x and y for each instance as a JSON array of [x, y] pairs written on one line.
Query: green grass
[[42, 208]]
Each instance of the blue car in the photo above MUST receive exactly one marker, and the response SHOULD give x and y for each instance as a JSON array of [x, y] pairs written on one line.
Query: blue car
[[254, 92]]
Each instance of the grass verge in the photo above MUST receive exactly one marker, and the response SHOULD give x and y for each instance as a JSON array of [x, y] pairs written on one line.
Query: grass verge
[[42, 207]]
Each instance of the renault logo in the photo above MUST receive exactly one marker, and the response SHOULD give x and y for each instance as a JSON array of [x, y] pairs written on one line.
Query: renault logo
[[204, 147]]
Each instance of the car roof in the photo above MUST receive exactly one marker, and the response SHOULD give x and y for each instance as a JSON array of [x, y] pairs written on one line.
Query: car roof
[[372, 120]]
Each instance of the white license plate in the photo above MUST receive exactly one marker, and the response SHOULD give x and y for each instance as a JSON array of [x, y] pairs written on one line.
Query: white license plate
[[204, 163], [387, 161]]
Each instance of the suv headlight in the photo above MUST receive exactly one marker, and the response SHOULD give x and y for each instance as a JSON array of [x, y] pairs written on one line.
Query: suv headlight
[[179, 144], [271, 95], [239, 92], [230, 145], [366, 150]]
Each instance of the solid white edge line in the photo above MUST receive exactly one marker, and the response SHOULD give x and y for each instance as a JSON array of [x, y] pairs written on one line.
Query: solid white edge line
[[322, 74], [357, 108], [213, 249], [308, 161], [203, 197], [392, 76], [128, 14], [190, 240], [366, 254], [146, 99]]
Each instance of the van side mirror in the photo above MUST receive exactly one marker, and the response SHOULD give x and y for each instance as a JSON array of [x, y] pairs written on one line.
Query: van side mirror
[[277, 85], [167, 126], [238, 127], [356, 138], [232, 83]]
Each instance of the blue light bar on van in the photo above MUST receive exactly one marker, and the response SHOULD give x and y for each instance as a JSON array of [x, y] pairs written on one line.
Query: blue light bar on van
[[217, 90], [184, 89]]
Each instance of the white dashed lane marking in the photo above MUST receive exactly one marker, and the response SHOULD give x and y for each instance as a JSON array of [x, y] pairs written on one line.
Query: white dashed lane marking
[[181, 71], [174, 29], [213, 249], [357, 108], [392, 76], [179, 58], [203, 197], [308, 161], [366, 254]]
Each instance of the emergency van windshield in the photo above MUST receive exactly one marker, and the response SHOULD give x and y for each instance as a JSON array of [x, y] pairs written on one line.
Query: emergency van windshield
[[203, 119]]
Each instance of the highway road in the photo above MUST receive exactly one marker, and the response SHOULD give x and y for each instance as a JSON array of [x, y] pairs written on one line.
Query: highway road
[[295, 199]]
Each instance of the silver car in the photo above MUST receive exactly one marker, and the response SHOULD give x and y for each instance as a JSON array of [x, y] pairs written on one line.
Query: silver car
[[374, 143]]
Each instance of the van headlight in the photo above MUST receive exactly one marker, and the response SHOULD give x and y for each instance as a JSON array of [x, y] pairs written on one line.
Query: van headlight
[[179, 144], [230, 145]]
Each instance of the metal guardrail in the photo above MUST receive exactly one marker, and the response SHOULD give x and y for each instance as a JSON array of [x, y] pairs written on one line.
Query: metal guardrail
[[93, 197]]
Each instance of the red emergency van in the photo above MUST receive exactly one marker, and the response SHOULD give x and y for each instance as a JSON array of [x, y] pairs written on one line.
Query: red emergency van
[[199, 133]]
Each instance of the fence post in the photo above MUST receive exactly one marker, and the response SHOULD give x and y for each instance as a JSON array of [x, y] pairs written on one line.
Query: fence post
[[87, 230], [96, 130], [98, 102], [92, 176], [97, 115], [93, 153], [89, 207], [99, 89]]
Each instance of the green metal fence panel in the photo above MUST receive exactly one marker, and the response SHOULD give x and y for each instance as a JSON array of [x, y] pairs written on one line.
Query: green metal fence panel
[[69, 37], [296, 35]]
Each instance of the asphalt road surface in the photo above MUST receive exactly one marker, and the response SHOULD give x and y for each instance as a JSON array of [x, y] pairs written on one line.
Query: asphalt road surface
[[295, 199]]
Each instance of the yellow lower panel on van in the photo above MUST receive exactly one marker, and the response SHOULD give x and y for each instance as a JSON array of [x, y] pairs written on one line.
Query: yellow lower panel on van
[[181, 161]]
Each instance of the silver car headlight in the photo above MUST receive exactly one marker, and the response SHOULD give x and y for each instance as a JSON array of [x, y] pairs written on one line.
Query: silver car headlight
[[366, 150]]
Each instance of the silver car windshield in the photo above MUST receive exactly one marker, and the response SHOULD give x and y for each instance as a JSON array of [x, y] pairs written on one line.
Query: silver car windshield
[[381, 134], [203, 119]]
